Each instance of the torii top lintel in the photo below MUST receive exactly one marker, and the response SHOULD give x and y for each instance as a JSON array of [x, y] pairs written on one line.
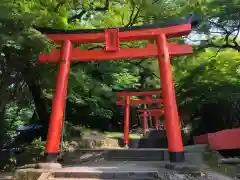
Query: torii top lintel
[[139, 93], [133, 35], [81, 36], [112, 39], [147, 94]]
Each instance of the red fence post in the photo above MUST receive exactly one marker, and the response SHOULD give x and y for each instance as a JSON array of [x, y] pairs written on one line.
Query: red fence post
[[156, 122], [126, 120], [145, 124], [175, 145], [55, 124]]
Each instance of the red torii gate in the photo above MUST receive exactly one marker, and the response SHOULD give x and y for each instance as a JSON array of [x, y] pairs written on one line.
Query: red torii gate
[[150, 113], [112, 38], [127, 101]]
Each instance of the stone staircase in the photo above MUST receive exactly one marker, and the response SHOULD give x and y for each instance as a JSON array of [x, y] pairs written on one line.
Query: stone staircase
[[118, 164], [107, 170], [134, 163], [132, 154], [138, 164]]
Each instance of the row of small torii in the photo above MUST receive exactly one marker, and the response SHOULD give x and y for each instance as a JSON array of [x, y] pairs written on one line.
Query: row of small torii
[[143, 113]]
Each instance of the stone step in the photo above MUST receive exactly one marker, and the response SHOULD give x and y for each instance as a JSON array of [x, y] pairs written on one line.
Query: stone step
[[92, 179], [139, 155], [131, 154], [89, 179], [128, 155], [76, 179], [89, 173], [144, 155]]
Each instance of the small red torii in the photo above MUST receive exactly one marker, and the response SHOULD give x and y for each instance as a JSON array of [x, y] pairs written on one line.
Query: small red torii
[[127, 101], [150, 113], [162, 49]]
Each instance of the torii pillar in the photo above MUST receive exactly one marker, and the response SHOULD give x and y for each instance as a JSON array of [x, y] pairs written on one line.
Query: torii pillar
[[175, 144], [56, 118]]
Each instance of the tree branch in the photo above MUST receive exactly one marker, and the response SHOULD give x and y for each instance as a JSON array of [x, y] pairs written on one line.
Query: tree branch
[[155, 1], [220, 26], [223, 46], [215, 55], [84, 11], [89, 49], [139, 65], [77, 16], [235, 38], [136, 15], [133, 18]]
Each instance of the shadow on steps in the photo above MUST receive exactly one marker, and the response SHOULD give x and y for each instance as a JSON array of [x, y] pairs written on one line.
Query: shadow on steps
[[154, 139]]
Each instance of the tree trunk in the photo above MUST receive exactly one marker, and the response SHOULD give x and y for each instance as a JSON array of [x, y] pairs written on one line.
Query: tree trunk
[[142, 81], [38, 97], [40, 105], [2, 126]]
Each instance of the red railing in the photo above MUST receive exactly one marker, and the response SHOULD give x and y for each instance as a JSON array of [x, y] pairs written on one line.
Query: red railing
[[202, 139], [226, 139]]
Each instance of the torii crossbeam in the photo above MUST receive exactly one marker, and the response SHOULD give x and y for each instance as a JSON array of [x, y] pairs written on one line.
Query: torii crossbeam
[[112, 38]]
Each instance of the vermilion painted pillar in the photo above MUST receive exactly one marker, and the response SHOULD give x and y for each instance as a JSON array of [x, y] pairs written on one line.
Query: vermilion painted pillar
[[126, 120], [150, 122], [175, 145], [56, 118], [145, 124], [156, 122], [165, 125]]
